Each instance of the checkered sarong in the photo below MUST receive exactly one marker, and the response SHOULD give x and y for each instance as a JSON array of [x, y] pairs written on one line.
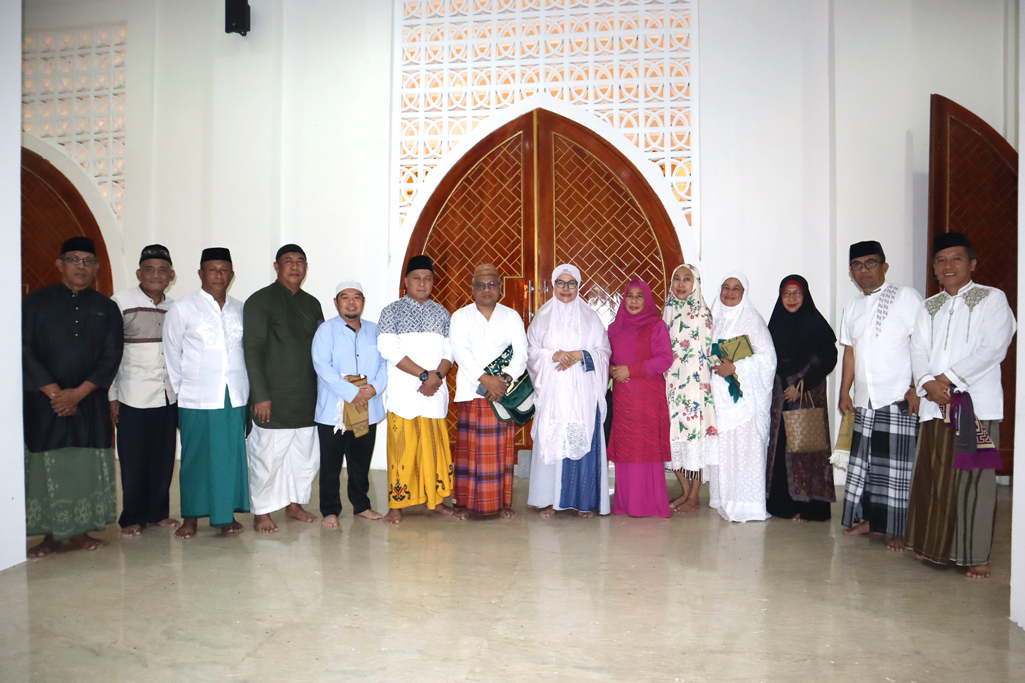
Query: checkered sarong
[[879, 474], [483, 459]]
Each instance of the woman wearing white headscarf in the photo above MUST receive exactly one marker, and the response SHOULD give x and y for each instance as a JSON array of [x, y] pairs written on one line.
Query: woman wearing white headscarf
[[737, 483], [568, 360]]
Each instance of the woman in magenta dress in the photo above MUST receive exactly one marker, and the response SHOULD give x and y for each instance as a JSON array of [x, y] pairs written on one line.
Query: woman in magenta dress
[[639, 444]]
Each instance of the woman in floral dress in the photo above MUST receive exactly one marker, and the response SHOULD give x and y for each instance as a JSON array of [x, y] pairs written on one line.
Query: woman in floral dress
[[692, 433]]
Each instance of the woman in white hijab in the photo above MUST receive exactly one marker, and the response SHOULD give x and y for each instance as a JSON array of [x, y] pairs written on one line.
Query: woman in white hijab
[[568, 360], [737, 483]]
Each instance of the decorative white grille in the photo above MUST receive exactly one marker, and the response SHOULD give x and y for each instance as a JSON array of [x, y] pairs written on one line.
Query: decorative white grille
[[627, 62], [73, 97]]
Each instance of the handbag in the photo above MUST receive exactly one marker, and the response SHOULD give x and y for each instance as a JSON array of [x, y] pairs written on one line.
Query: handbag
[[806, 426]]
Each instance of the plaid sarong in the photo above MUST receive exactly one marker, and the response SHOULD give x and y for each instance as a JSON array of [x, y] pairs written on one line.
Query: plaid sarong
[[483, 459], [879, 474]]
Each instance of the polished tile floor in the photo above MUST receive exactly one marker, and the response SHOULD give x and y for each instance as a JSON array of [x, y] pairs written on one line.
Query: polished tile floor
[[688, 599]]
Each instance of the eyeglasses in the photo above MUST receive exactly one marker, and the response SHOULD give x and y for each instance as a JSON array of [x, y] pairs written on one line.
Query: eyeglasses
[[74, 260], [566, 284], [481, 286], [868, 265]]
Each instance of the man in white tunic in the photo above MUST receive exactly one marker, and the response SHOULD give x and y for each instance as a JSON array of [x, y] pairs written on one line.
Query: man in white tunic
[[490, 349], [142, 403], [203, 349], [961, 337], [875, 332], [413, 336]]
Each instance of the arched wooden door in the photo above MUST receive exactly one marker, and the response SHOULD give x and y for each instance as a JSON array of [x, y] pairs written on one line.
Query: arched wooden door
[[52, 210], [973, 189], [540, 191]]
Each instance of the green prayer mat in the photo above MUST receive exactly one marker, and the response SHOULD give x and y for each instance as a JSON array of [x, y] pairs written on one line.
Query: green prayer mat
[[69, 492]]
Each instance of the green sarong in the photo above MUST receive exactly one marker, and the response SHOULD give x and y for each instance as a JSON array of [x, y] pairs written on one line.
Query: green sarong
[[69, 492], [214, 474]]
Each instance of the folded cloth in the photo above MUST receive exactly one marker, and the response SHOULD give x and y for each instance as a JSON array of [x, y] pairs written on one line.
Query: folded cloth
[[351, 417], [734, 349], [974, 449], [518, 403], [842, 453]]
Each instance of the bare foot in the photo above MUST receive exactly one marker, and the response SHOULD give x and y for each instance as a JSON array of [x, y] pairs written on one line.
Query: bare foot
[[296, 511], [370, 514], [462, 515], [507, 513], [896, 544], [264, 524], [860, 529], [978, 571], [132, 530], [677, 503], [187, 530], [920, 558], [585, 514], [691, 504], [394, 516], [86, 542], [330, 522], [548, 512], [233, 529], [798, 518], [43, 549], [169, 523], [444, 510]]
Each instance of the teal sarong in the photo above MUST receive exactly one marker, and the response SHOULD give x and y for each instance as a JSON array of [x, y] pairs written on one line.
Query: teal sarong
[[214, 474], [69, 492]]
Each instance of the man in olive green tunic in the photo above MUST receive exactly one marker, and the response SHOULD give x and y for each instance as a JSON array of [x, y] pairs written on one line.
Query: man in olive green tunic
[[284, 454]]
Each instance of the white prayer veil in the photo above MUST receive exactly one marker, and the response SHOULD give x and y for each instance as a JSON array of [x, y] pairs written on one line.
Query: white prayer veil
[[566, 401], [725, 318]]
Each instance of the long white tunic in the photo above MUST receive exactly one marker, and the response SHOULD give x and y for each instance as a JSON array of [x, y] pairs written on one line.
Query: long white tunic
[[964, 337], [203, 349], [477, 341]]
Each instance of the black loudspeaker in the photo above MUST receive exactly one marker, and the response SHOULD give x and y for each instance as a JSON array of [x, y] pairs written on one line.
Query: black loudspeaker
[[236, 16]]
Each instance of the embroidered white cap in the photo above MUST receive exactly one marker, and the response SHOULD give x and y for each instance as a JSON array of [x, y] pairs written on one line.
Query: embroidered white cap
[[348, 284]]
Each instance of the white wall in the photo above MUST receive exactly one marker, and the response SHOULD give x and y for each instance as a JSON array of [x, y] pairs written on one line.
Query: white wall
[[1018, 503], [12, 450]]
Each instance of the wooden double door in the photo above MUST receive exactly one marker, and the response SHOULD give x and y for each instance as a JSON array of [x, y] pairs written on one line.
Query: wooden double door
[[540, 191]]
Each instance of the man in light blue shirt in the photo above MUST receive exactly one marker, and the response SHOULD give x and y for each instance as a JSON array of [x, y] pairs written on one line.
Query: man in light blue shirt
[[350, 371]]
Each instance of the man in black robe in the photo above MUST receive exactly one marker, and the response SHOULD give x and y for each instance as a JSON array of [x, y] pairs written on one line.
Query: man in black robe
[[72, 339]]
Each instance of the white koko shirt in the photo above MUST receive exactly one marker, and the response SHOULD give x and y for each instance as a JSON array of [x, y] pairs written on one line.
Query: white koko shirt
[[879, 327], [203, 349], [964, 337], [419, 331], [142, 380], [476, 341]]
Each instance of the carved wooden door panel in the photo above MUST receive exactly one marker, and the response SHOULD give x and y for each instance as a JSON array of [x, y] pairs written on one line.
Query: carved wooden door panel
[[52, 210], [540, 191], [973, 189]]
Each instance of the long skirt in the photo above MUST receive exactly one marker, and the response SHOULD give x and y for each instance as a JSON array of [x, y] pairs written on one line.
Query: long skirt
[[282, 466], [641, 490], [737, 484], [573, 484], [951, 513], [485, 449], [214, 475], [69, 492], [879, 474], [419, 462]]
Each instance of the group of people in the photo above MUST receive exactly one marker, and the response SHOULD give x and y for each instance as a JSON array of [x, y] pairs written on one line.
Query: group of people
[[268, 394]]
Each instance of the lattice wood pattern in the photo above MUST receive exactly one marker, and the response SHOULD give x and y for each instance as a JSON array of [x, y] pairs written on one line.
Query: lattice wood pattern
[[52, 210], [481, 222], [600, 228], [974, 190]]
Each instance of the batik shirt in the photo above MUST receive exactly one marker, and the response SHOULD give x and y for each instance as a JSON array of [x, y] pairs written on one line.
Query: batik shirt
[[421, 333]]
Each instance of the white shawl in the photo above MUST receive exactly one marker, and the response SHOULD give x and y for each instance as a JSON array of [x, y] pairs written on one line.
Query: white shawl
[[564, 420], [755, 373]]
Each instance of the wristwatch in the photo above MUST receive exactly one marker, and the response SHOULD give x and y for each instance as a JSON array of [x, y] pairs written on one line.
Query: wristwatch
[[424, 375]]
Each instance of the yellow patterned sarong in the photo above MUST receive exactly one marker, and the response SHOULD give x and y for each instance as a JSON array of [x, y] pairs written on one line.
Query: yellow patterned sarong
[[419, 462]]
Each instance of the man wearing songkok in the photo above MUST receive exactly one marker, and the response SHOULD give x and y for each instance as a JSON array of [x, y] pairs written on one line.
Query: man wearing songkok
[[71, 343], [280, 321], [961, 337], [413, 337], [875, 331], [206, 364], [485, 334], [351, 377], [142, 403]]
